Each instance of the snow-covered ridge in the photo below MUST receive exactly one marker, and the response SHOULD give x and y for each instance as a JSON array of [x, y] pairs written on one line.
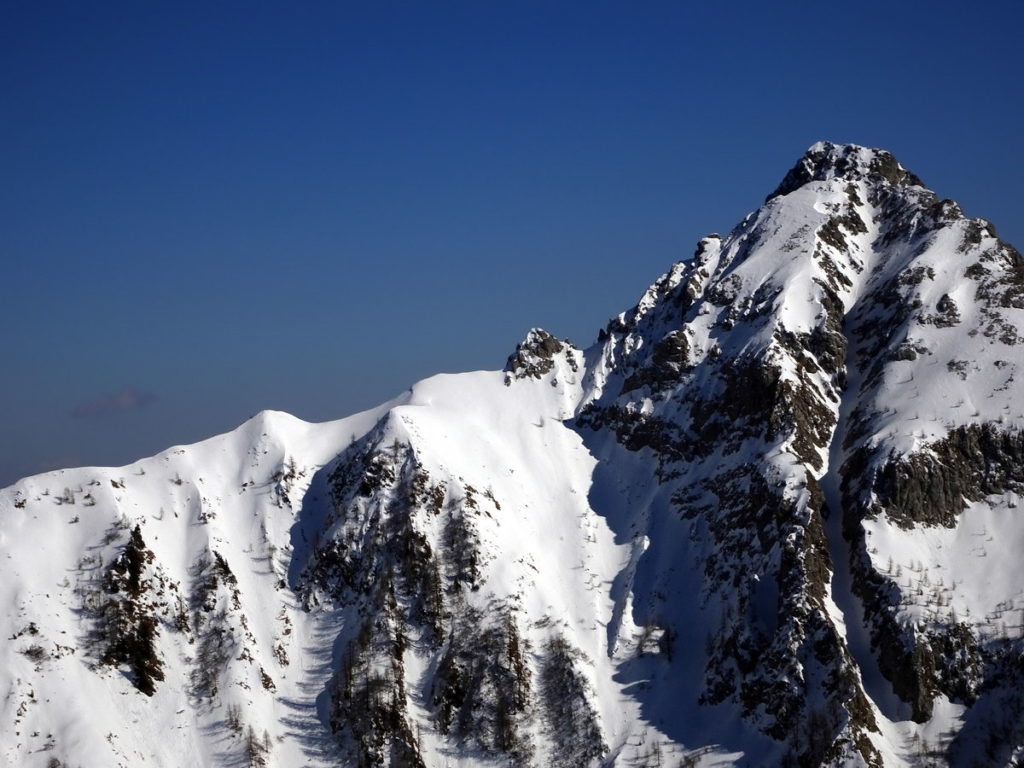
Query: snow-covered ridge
[[766, 519]]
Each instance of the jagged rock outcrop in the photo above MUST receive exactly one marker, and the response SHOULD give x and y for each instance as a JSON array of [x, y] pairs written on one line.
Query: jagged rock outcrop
[[536, 354]]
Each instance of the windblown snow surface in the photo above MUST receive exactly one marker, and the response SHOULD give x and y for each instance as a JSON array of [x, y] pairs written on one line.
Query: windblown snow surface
[[769, 518]]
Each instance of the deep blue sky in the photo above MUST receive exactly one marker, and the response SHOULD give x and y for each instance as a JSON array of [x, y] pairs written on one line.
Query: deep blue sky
[[215, 209]]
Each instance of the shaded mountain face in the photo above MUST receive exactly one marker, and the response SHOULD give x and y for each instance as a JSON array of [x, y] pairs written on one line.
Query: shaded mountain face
[[768, 518]]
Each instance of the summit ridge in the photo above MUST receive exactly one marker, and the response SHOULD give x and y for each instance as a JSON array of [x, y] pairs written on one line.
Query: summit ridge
[[824, 160]]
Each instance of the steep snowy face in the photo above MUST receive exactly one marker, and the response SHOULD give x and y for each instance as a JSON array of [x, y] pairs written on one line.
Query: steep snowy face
[[851, 346], [767, 519], [147, 610], [931, 466], [731, 371]]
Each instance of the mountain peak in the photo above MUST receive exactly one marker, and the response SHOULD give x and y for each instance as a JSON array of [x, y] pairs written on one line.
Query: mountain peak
[[824, 160], [771, 517]]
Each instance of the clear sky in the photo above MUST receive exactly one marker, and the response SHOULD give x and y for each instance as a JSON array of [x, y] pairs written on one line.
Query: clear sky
[[216, 208]]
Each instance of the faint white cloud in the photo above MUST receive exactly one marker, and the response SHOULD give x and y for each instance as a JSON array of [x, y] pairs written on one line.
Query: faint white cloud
[[128, 399]]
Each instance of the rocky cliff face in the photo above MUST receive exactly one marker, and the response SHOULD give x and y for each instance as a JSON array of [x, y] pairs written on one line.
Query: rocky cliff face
[[768, 518]]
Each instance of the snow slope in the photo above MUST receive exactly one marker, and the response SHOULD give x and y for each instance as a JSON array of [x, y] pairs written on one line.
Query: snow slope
[[767, 519]]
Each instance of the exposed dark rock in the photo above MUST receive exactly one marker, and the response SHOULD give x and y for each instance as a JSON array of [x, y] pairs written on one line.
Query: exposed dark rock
[[637, 431], [932, 487], [829, 160], [948, 314], [668, 363], [831, 232], [534, 356], [959, 367], [725, 291], [759, 402], [973, 233], [907, 351]]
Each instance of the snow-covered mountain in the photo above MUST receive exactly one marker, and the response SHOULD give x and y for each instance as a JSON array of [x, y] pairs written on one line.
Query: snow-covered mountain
[[768, 518]]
